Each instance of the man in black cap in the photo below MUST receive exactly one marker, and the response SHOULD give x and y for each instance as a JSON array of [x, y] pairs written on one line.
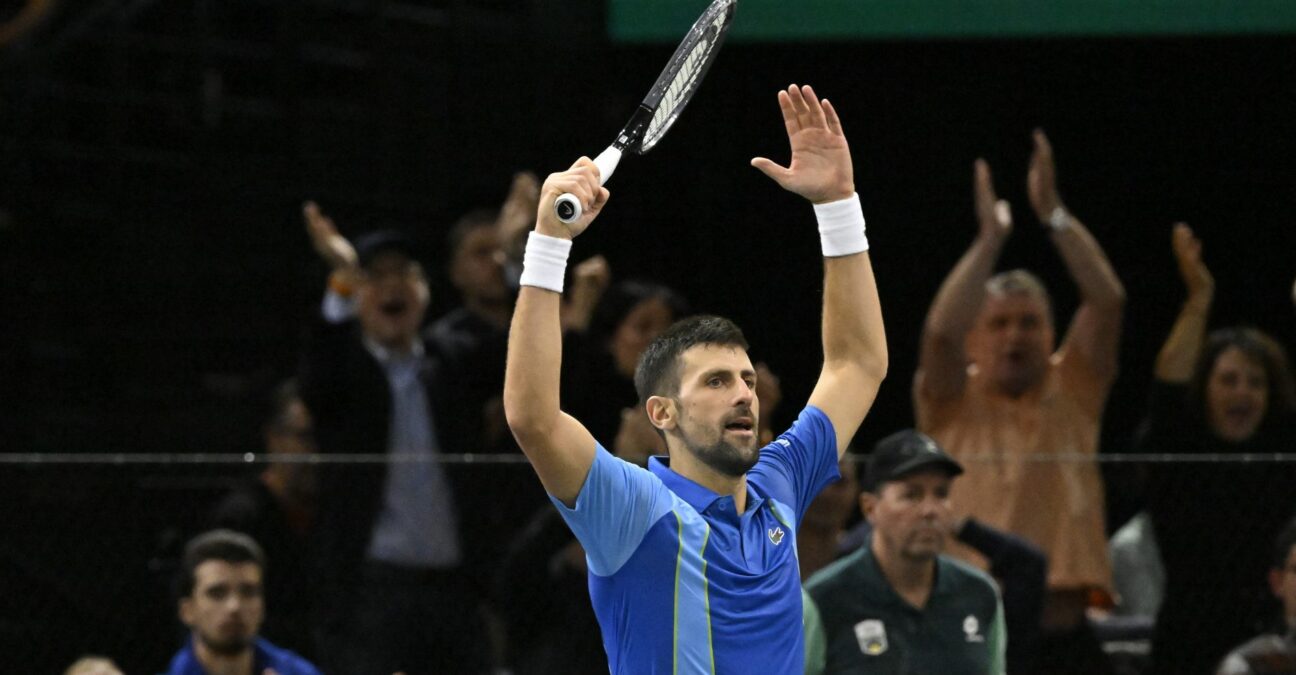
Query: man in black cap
[[393, 591], [897, 605]]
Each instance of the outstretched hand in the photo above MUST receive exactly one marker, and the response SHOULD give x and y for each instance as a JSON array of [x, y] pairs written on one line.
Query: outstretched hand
[[820, 169], [331, 246], [1041, 179], [581, 180], [1188, 253], [517, 215], [994, 216]]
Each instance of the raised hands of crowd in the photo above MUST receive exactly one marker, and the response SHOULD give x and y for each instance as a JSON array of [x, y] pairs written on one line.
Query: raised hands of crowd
[[331, 246], [589, 281], [994, 215]]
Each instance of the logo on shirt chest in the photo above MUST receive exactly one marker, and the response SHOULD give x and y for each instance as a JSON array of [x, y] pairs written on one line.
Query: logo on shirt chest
[[776, 535], [972, 629], [871, 636]]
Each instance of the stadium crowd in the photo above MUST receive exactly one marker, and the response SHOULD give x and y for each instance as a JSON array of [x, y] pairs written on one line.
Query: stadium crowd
[[986, 519]]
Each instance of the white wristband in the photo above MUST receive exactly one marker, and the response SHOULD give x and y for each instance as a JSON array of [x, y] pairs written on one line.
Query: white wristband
[[841, 227], [545, 262]]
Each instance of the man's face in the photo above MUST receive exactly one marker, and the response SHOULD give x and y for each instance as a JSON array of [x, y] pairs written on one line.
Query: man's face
[[391, 299], [718, 408], [911, 514], [1237, 395], [1283, 583], [226, 608], [1012, 341], [478, 266], [294, 434], [637, 330]]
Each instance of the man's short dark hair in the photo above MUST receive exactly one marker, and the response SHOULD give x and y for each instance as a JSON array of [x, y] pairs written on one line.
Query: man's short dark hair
[[224, 545], [658, 373], [1283, 544]]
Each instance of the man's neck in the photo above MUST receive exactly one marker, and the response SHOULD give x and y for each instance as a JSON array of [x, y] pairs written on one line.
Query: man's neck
[[223, 664], [911, 579], [497, 314], [690, 467]]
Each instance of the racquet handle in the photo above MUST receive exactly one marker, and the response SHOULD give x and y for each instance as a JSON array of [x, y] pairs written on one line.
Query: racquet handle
[[567, 207]]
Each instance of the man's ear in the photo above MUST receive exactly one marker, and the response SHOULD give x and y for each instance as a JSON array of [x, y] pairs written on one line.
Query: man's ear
[[662, 412], [187, 611], [867, 502], [1276, 582]]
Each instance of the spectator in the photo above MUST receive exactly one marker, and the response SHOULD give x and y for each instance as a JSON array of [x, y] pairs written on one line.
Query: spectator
[[1275, 653], [221, 602], [991, 389], [1226, 394], [278, 509], [93, 665], [824, 526], [599, 384], [897, 605], [393, 588], [1020, 569]]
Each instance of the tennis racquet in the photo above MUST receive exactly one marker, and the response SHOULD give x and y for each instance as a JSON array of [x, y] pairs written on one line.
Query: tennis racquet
[[665, 101]]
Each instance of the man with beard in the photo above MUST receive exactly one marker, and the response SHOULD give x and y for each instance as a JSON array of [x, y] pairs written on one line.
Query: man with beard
[[692, 562], [992, 391], [896, 605], [221, 602]]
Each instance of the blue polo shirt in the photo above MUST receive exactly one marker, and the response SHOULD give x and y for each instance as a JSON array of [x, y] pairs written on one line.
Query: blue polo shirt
[[265, 656], [679, 581]]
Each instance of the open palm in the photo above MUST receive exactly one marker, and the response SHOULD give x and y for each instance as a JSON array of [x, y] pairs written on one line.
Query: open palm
[[820, 169]]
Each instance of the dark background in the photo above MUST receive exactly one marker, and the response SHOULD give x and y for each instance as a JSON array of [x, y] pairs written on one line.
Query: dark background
[[156, 275]]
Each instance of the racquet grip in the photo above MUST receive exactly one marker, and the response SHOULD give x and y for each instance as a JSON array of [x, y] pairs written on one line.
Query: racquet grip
[[567, 207]]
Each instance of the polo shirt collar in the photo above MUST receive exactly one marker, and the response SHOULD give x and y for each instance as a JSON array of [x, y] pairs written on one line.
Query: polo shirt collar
[[699, 497]]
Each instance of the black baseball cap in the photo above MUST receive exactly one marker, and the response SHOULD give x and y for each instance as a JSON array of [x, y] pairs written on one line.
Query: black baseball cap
[[903, 453], [372, 244]]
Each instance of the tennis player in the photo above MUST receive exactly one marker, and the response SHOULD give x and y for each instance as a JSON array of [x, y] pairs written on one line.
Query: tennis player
[[692, 562]]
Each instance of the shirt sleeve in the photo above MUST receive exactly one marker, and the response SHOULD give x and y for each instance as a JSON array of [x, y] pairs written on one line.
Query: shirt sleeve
[[816, 642], [799, 463], [616, 506], [337, 309]]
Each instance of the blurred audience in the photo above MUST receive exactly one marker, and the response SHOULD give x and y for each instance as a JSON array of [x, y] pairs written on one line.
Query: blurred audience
[[896, 604], [1273, 653], [823, 528], [991, 389], [599, 384], [393, 585], [277, 509], [1226, 394], [222, 605]]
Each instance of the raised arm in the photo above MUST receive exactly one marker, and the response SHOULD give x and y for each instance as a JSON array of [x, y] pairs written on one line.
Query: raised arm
[[854, 341], [1095, 329], [942, 362], [1178, 356], [334, 250], [560, 448]]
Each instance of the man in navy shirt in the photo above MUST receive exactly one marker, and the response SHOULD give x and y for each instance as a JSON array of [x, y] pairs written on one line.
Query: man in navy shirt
[[693, 561], [222, 604]]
